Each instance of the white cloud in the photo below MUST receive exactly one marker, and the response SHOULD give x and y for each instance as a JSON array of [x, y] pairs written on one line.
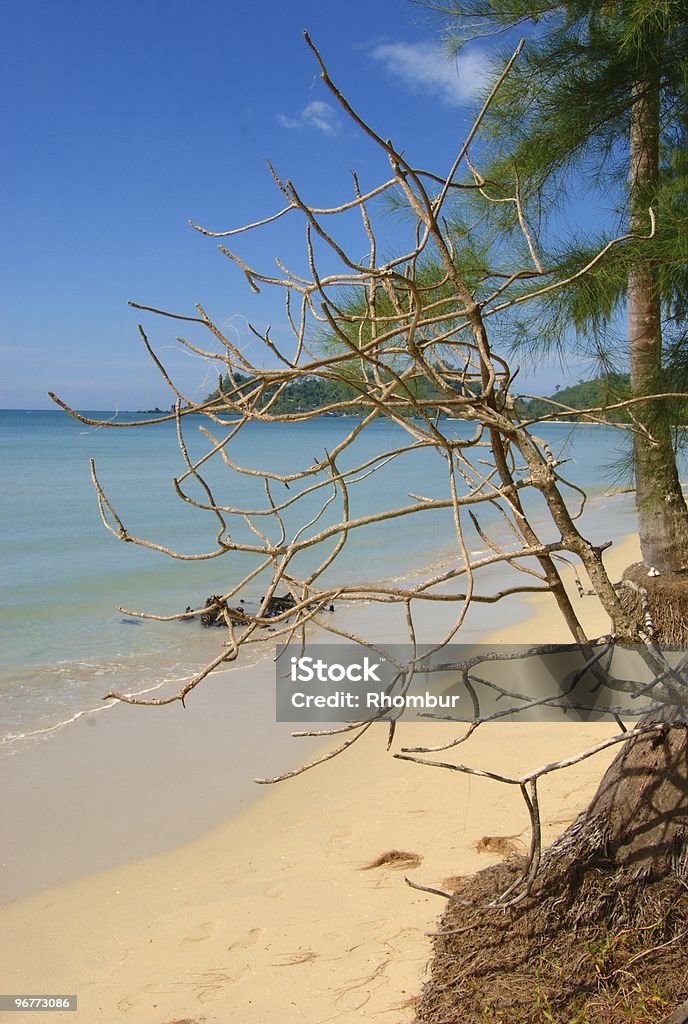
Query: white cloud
[[425, 67], [316, 114], [288, 122]]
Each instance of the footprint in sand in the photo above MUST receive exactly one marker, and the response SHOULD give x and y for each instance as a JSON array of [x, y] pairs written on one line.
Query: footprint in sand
[[251, 939], [205, 930]]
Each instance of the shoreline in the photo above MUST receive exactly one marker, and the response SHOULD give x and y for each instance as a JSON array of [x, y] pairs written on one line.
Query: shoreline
[[95, 769], [271, 916], [74, 786], [155, 657], [104, 768]]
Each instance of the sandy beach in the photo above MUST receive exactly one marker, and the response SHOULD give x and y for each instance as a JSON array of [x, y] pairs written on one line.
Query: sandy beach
[[274, 916]]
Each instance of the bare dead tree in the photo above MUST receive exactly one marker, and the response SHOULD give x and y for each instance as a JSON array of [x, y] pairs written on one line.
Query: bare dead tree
[[409, 338]]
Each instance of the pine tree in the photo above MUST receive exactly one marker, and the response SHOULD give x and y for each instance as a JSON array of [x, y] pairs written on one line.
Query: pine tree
[[601, 90]]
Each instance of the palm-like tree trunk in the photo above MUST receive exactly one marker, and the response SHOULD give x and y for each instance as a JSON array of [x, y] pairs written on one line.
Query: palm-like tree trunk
[[662, 512]]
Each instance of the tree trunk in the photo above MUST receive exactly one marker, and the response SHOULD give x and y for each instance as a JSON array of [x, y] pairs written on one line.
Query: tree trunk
[[662, 512], [638, 820]]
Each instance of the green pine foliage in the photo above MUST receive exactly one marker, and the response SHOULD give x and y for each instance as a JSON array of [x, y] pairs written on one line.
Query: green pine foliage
[[597, 105], [561, 121]]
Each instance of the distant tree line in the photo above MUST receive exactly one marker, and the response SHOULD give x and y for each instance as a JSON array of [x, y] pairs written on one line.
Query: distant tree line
[[303, 395], [587, 394], [309, 393]]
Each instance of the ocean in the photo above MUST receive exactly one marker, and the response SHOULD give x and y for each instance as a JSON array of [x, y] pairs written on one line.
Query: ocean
[[64, 577]]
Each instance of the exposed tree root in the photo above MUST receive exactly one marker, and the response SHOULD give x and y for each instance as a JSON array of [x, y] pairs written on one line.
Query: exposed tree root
[[667, 602], [610, 949], [602, 937]]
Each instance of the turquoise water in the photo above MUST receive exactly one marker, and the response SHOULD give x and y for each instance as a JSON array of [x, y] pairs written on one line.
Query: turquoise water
[[64, 640]]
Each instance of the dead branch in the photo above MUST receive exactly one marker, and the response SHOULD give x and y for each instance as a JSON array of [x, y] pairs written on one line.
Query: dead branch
[[401, 340]]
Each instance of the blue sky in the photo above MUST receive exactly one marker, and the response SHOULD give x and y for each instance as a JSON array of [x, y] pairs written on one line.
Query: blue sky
[[124, 120]]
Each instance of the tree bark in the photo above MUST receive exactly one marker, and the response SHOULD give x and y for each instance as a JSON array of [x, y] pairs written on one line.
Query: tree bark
[[662, 512], [638, 818]]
